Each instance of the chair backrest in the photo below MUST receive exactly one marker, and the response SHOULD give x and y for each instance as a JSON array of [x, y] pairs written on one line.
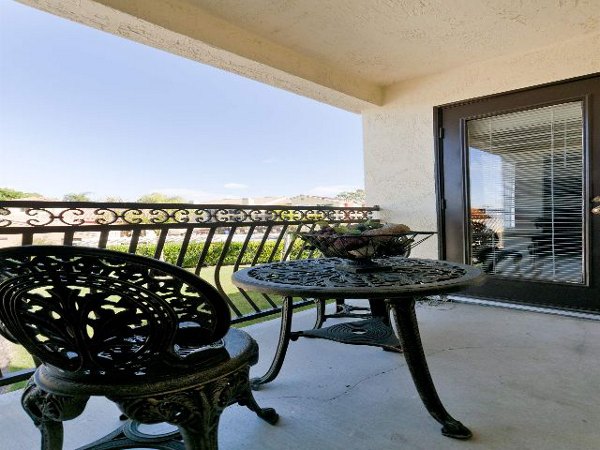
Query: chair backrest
[[103, 313]]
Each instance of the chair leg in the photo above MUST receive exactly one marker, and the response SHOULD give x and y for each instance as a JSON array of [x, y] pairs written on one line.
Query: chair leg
[[48, 411], [201, 439], [246, 398]]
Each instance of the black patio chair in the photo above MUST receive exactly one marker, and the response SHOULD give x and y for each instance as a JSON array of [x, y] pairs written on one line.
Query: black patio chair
[[152, 337]]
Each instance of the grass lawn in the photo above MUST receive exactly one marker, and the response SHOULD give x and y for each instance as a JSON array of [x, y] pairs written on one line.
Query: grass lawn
[[238, 299], [18, 359]]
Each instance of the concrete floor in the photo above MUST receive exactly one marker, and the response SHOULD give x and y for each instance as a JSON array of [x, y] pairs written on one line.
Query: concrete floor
[[518, 380]]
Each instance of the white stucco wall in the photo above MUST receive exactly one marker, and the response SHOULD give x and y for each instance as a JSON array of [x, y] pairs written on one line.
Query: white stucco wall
[[399, 136]]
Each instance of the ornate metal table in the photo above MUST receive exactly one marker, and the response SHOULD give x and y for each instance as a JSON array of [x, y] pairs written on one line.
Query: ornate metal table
[[398, 286]]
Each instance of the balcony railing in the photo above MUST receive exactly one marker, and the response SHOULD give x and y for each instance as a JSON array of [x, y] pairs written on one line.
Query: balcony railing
[[212, 241]]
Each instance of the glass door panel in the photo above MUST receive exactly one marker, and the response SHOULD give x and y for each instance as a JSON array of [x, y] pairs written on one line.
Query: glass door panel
[[525, 180]]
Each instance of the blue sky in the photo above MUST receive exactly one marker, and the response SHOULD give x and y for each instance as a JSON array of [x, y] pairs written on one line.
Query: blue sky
[[86, 111]]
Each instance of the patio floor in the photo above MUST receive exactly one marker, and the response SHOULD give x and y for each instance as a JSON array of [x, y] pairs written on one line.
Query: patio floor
[[518, 380]]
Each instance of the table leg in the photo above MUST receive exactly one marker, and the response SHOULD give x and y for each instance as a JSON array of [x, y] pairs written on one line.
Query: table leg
[[379, 309], [320, 304], [282, 345], [406, 322]]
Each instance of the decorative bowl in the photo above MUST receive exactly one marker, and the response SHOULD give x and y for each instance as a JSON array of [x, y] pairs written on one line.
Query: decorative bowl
[[360, 248]]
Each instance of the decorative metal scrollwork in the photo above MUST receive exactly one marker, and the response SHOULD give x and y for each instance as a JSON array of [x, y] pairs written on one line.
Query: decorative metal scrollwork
[[38, 217], [197, 409], [221, 215], [202, 216], [4, 222], [159, 216], [44, 406], [323, 273], [105, 313], [41, 214], [71, 216], [105, 216]]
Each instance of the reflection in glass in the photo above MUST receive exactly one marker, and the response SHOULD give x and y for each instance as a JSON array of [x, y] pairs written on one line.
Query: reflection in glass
[[526, 193]]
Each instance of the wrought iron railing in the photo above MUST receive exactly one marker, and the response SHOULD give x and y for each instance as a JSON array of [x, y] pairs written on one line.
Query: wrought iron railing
[[213, 241]]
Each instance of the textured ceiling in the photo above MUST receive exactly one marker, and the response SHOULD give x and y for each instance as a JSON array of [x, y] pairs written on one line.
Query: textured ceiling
[[385, 41]]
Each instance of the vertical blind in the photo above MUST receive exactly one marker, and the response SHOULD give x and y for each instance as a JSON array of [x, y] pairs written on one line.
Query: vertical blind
[[526, 185]]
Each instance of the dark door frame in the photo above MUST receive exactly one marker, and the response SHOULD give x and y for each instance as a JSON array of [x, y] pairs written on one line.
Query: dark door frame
[[454, 214]]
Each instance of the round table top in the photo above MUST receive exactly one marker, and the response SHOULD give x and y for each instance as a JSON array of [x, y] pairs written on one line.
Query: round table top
[[323, 278]]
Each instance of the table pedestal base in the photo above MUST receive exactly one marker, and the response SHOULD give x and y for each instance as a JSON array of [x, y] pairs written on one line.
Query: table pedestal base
[[376, 332], [361, 332]]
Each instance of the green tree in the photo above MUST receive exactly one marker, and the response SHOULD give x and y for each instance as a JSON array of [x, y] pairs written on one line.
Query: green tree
[[157, 197], [357, 196], [77, 197], [11, 194]]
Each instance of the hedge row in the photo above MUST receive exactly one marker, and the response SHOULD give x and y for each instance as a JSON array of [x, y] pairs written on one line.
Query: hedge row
[[171, 252]]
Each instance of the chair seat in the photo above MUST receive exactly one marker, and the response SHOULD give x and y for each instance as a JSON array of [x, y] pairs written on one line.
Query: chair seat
[[239, 351]]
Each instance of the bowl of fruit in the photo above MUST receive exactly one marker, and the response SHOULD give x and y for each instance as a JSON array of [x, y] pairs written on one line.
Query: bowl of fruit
[[360, 243]]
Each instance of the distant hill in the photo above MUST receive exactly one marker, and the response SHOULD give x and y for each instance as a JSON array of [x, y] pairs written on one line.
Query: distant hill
[[297, 200]]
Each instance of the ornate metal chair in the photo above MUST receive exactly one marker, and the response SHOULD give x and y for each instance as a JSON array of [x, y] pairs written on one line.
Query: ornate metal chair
[[152, 337]]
